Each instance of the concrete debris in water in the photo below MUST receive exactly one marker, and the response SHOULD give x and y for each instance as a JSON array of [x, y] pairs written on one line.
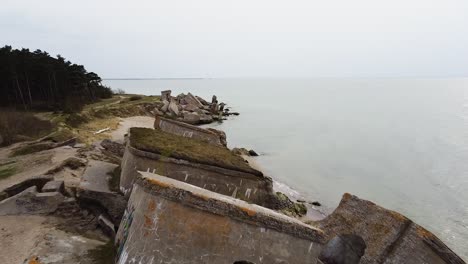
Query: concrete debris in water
[[191, 109]]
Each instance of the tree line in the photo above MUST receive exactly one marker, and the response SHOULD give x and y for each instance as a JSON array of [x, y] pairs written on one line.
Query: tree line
[[36, 80]]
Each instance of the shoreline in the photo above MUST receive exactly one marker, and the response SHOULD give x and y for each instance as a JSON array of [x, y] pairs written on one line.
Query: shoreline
[[205, 164]]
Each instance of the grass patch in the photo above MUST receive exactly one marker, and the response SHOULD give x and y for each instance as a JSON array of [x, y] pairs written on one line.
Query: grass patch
[[7, 171], [178, 147], [114, 181], [62, 134], [85, 132], [28, 149], [104, 254]]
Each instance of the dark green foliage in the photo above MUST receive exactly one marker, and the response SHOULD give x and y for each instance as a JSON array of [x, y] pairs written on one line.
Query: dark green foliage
[[136, 97], [35, 80]]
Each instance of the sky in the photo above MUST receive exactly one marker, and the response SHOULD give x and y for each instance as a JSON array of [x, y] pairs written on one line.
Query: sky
[[246, 38]]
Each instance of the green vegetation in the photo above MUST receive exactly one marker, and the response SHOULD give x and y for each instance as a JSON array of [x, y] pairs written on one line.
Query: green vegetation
[[35, 80], [135, 98], [292, 208], [7, 170], [170, 145]]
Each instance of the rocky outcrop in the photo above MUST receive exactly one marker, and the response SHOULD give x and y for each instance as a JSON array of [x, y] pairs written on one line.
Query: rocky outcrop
[[390, 237], [190, 109]]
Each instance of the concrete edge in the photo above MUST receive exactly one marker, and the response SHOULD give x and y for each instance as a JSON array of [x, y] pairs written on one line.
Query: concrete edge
[[222, 170], [215, 203]]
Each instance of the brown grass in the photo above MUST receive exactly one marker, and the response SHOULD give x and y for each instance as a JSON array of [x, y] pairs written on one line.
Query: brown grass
[[170, 145], [19, 126]]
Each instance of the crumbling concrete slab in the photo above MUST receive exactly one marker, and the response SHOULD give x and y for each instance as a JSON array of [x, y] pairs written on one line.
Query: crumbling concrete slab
[[31, 202], [95, 177], [390, 237], [53, 186], [59, 247], [169, 221], [38, 181]]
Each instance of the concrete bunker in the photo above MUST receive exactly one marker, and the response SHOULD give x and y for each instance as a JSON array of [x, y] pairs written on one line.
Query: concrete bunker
[[212, 136], [169, 221], [211, 167]]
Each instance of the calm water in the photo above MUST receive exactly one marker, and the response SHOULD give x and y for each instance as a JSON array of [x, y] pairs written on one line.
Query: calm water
[[400, 143]]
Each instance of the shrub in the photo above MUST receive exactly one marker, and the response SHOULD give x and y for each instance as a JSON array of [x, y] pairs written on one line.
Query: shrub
[[136, 98], [18, 126]]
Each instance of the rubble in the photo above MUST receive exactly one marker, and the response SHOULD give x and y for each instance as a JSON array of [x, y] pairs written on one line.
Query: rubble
[[190, 108], [30, 201]]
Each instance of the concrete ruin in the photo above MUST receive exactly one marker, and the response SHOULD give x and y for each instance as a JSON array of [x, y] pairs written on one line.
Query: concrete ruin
[[207, 166], [168, 221], [190, 109], [190, 131], [390, 237]]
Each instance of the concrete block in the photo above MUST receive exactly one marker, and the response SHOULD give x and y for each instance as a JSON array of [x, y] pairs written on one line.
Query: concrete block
[[53, 186], [31, 202], [169, 221]]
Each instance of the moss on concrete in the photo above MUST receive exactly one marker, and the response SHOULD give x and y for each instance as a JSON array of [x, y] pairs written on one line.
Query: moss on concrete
[[178, 147]]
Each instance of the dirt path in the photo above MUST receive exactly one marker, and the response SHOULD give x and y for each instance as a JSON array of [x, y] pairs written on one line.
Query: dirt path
[[126, 123]]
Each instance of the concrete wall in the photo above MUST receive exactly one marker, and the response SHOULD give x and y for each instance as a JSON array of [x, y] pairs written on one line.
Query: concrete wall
[[390, 237], [241, 185], [168, 221], [186, 130]]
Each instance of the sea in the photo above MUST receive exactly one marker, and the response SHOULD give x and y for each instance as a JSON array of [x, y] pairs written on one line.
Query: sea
[[401, 143]]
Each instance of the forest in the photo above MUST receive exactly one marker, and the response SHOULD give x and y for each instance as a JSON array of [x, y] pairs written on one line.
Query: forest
[[37, 81]]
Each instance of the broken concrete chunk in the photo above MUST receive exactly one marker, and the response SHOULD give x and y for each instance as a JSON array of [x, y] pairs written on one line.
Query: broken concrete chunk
[[38, 181], [106, 225], [192, 118], [53, 186], [173, 108], [31, 202], [166, 95], [165, 106]]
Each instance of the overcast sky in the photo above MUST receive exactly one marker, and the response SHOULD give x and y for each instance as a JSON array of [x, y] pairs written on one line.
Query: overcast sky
[[246, 38]]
